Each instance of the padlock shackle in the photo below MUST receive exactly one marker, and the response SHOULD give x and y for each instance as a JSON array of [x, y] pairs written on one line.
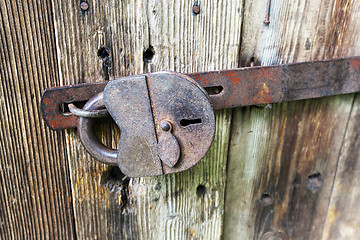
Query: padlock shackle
[[88, 137]]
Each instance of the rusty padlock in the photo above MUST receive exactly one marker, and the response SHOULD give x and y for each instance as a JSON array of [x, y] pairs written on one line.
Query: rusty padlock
[[166, 120]]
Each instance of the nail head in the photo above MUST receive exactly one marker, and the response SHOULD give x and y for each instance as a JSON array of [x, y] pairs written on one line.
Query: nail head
[[84, 5], [196, 9]]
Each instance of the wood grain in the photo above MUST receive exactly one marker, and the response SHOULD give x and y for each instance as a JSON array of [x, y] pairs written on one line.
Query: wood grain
[[97, 45], [292, 170], [35, 188], [283, 160], [185, 205], [342, 220]]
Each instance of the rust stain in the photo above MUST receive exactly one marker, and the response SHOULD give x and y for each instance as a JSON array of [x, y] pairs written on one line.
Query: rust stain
[[267, 74], [264, 94], [233, 76], [355, 65]]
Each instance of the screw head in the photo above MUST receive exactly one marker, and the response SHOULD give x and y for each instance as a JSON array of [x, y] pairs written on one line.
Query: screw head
[[84, 5], [196, 9], [165, 126]]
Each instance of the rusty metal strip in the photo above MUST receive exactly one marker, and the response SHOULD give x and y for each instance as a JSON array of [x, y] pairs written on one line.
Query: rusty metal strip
[[270, 84], [53, 99], [239, 87]]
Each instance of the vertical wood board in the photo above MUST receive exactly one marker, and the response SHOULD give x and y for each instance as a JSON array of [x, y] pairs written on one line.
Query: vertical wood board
[[184, 205], [35, 187], [283, 160]]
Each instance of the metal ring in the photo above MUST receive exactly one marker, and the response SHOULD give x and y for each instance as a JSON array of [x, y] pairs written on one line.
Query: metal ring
[[87, 113], [88, 137]]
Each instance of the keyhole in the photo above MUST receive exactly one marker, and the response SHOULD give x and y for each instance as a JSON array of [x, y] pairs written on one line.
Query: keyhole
[[187, 122]]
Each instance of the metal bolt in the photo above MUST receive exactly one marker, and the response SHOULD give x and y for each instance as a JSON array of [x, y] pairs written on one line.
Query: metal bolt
[[84, 6], [196, 8], [267, 16], [165, 126]]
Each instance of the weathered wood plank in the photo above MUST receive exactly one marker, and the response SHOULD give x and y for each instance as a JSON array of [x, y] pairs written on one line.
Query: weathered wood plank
[[283, 160], [343, 213], [189, 205], [96, 45], [185, 205], [343, 220], [35, 188]]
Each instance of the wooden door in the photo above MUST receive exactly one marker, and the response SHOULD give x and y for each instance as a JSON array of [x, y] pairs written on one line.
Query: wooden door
[[285, 171]]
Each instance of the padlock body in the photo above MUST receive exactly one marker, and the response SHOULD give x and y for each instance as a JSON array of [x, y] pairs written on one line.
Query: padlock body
[[139, 104]]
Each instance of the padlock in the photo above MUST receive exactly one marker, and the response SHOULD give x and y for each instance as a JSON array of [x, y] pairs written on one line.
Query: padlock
[[166, 120]]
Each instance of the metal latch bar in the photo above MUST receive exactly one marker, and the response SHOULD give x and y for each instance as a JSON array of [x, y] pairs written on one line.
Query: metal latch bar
[[233, 88]]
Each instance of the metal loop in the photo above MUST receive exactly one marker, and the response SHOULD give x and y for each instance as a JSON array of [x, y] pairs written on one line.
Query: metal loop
[[88, 137], [88, 113]]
